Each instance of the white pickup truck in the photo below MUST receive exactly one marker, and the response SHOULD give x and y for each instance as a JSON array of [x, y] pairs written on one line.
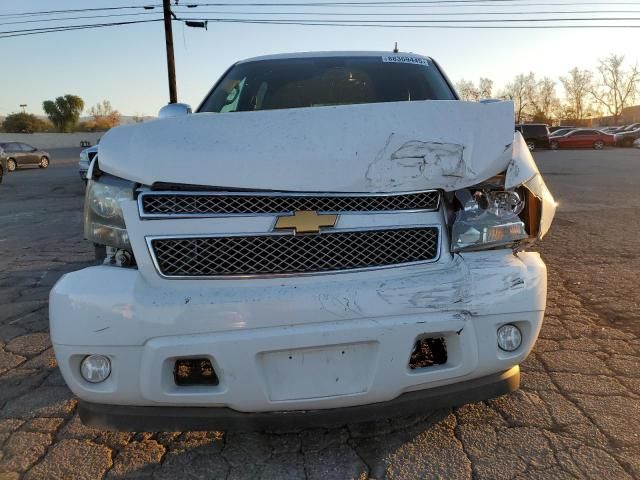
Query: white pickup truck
[[329, 238]]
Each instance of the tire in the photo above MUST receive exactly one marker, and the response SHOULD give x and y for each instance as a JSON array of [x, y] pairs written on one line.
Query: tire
[[1, 173], [599, 145], [44, 162], [531, 145], [554, 146], [629, 143], [11, 165]]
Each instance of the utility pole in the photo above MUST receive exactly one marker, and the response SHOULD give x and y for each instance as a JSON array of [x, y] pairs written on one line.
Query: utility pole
[[171, 63], [23, 106]]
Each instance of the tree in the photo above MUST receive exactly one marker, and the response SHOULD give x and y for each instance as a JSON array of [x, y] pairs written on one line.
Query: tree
[[617, 87], [577, 86], [469, 92], [104, 116], [545, 101], [522, 91], [24, 123], [64, 112], [485, 87]]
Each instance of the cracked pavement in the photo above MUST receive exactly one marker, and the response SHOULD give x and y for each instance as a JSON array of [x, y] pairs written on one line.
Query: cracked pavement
[[577, 414]]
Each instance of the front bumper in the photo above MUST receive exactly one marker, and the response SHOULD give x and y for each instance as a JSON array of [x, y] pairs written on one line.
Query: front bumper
[[297, 344], [175, 419]]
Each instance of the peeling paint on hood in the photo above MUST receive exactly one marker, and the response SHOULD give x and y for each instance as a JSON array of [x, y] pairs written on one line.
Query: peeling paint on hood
[[383, 147]]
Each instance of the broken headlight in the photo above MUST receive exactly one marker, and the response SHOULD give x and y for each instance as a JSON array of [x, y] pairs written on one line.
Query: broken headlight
[[103, 218], [486, 219]]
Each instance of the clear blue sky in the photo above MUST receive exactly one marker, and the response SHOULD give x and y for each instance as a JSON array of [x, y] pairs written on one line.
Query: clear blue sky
[[127, 65]]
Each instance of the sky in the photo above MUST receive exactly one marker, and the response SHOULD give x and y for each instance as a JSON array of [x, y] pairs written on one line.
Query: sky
[[127, 64]]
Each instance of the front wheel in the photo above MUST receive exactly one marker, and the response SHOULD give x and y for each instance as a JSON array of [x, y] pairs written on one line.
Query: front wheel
[[44, 162], [531, 145], [554, 145], [11, 165], [599, 145]]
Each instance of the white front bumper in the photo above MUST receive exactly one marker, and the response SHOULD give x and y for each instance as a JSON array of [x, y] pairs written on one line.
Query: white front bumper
[[317, 342]]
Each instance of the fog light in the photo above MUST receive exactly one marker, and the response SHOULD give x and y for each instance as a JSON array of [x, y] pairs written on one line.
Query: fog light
[[509, 338], [95, 368]]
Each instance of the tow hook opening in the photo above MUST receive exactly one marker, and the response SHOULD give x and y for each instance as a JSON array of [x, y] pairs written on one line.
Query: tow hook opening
[[194, 371], [428, 352]]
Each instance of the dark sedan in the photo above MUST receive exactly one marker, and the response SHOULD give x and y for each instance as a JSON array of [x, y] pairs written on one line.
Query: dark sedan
[[626, 138], [18, 155], [583, 138]]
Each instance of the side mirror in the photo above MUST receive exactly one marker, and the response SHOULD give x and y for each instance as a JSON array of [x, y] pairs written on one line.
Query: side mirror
[[174, 110]]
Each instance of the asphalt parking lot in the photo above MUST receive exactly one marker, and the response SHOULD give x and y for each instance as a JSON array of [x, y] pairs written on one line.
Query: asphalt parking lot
[[576, 416]]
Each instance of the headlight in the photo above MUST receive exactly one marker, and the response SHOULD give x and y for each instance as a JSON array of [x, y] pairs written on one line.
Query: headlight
[[487, 219], [103, 218], [84, 156]]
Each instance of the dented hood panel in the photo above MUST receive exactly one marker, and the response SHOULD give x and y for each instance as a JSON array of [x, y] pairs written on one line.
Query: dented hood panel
[[385, 147]]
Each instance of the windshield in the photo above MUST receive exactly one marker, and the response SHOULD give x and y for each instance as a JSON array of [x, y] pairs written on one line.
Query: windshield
[[313, 82]]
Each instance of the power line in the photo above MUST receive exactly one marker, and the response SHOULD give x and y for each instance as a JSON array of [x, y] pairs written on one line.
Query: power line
[[472, 20], [64, 19], [36, 31], [439, 26], [422, 14], [77, 10], [375, 4], [450, 3]]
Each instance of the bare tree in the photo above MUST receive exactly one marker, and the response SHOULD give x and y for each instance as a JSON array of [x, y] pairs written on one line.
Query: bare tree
[[545, 100], [577, 86], [104, 116], [522, 92], [485, 87], [467, 90], [617, 87]]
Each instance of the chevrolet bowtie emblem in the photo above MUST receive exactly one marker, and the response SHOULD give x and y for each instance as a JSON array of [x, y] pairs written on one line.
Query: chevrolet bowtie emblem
[[306, 221]]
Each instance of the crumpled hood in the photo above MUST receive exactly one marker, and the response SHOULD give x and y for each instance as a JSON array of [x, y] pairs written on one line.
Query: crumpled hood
[[384, 147]]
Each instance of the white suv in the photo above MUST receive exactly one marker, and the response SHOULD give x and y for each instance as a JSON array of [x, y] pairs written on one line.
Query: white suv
[[330, 237]]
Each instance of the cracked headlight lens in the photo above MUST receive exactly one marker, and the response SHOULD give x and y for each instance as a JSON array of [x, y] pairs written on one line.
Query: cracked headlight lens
[[103, 218], [487, 219]]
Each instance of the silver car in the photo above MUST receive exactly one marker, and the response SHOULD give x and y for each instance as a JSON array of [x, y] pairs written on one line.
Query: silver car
[[86, 156]]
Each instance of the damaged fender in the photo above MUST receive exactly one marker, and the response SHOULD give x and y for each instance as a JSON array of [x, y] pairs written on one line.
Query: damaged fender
[[523, 171]]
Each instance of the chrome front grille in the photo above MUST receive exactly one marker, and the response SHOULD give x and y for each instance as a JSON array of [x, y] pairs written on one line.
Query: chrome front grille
[[285, 254], [163, 204]]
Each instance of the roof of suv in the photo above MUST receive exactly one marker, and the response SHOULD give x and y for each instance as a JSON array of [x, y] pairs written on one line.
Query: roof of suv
[[329, 54]]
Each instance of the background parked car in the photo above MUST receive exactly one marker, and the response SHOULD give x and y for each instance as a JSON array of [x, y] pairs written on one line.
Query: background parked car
[[560, 132], [19, 155], [86, 156], [628, 128], [535, 134], [583, 138], [626, 138], [553, 130], [637, 143]]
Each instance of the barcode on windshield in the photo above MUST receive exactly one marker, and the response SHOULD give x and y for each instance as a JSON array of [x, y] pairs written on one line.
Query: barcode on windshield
[[404, 59]]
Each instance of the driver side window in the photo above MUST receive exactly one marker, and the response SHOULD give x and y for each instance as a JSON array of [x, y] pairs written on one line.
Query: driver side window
[[233, 97]]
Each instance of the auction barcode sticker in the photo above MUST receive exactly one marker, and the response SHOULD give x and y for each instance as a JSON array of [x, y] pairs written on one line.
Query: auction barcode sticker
[[405, 59]]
